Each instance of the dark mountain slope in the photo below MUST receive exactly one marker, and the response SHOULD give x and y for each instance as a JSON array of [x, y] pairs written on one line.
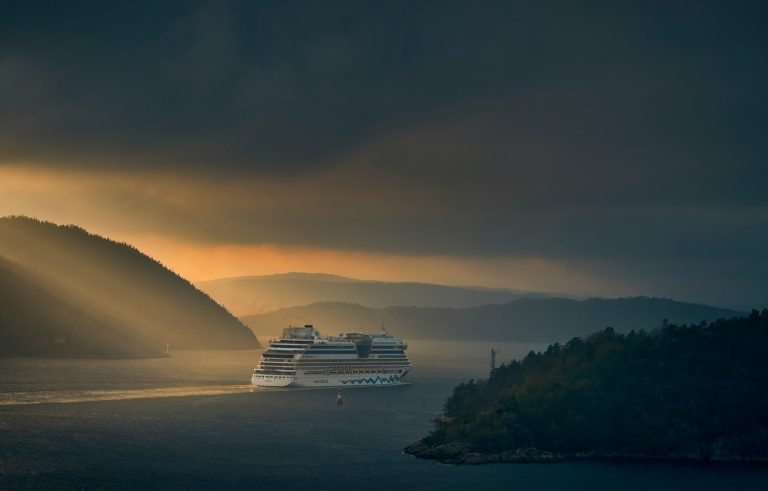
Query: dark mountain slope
[[35, 321], [547, 319], [119, 282]]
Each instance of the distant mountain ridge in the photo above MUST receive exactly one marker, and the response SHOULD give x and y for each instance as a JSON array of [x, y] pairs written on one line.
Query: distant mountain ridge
[[247, 295], [133, 302], [525, 319]]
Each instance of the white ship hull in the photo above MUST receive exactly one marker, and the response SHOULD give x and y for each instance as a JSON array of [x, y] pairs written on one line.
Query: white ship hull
[[272, 380], [344, 380]]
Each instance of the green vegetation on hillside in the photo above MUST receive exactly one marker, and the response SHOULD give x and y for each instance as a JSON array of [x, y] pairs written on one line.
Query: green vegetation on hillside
[[525, 319], [129, 299], [682, 391]]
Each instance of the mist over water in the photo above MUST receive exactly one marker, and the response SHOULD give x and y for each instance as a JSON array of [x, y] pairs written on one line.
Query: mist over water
[[196, 373], [192, 421], [210, 370]]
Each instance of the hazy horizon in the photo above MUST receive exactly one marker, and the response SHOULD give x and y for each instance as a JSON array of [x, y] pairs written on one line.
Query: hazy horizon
[[269, 260]]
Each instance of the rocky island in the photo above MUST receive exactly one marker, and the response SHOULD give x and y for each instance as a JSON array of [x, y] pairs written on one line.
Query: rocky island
[[678, 392]]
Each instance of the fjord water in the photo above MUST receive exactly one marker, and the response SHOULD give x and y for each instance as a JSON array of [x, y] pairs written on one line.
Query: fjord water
[[192, 421]]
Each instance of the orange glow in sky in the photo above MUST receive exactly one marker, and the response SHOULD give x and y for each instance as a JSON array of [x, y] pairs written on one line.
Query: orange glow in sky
[[202, 261], [127, 207]]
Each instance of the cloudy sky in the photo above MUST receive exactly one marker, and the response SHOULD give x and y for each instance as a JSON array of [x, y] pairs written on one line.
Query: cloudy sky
[[594, 148]]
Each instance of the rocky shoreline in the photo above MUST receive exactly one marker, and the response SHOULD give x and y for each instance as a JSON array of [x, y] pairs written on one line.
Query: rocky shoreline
[[463, 453], [459, 452]]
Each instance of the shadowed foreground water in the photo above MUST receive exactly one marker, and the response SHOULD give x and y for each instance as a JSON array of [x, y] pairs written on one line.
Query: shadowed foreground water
[[191, 422]]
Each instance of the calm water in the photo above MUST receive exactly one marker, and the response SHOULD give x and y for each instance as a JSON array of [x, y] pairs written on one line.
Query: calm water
[[191, 421]]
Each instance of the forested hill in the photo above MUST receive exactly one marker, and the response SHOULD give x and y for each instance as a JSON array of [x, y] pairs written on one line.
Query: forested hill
[[38, 321], [526, 319], [680, 392], [131, 294]]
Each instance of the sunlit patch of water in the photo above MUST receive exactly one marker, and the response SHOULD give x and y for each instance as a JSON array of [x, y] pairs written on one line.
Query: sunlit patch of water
[[67, 396]]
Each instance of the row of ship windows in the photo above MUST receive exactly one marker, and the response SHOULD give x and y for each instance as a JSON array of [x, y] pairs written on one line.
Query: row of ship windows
[[350, 347], [331, 346], [329, 351], [336, 362], [347, 361], [348, 372], [313, 351], [364, 361], [290, 353], [308, 365], [342, 368], [313, 359]]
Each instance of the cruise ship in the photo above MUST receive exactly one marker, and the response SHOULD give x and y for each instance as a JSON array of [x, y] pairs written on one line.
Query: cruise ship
[[302, 357]]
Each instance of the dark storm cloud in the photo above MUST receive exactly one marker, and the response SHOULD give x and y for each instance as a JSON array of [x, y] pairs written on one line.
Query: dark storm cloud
[[246, 85], [270, 85], [634, 134]]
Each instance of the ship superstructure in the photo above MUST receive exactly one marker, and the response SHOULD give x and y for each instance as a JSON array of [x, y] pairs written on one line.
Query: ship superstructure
[[302, 357]]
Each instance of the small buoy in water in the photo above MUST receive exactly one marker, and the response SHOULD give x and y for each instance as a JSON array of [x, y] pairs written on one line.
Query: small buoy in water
[[339, 399]]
